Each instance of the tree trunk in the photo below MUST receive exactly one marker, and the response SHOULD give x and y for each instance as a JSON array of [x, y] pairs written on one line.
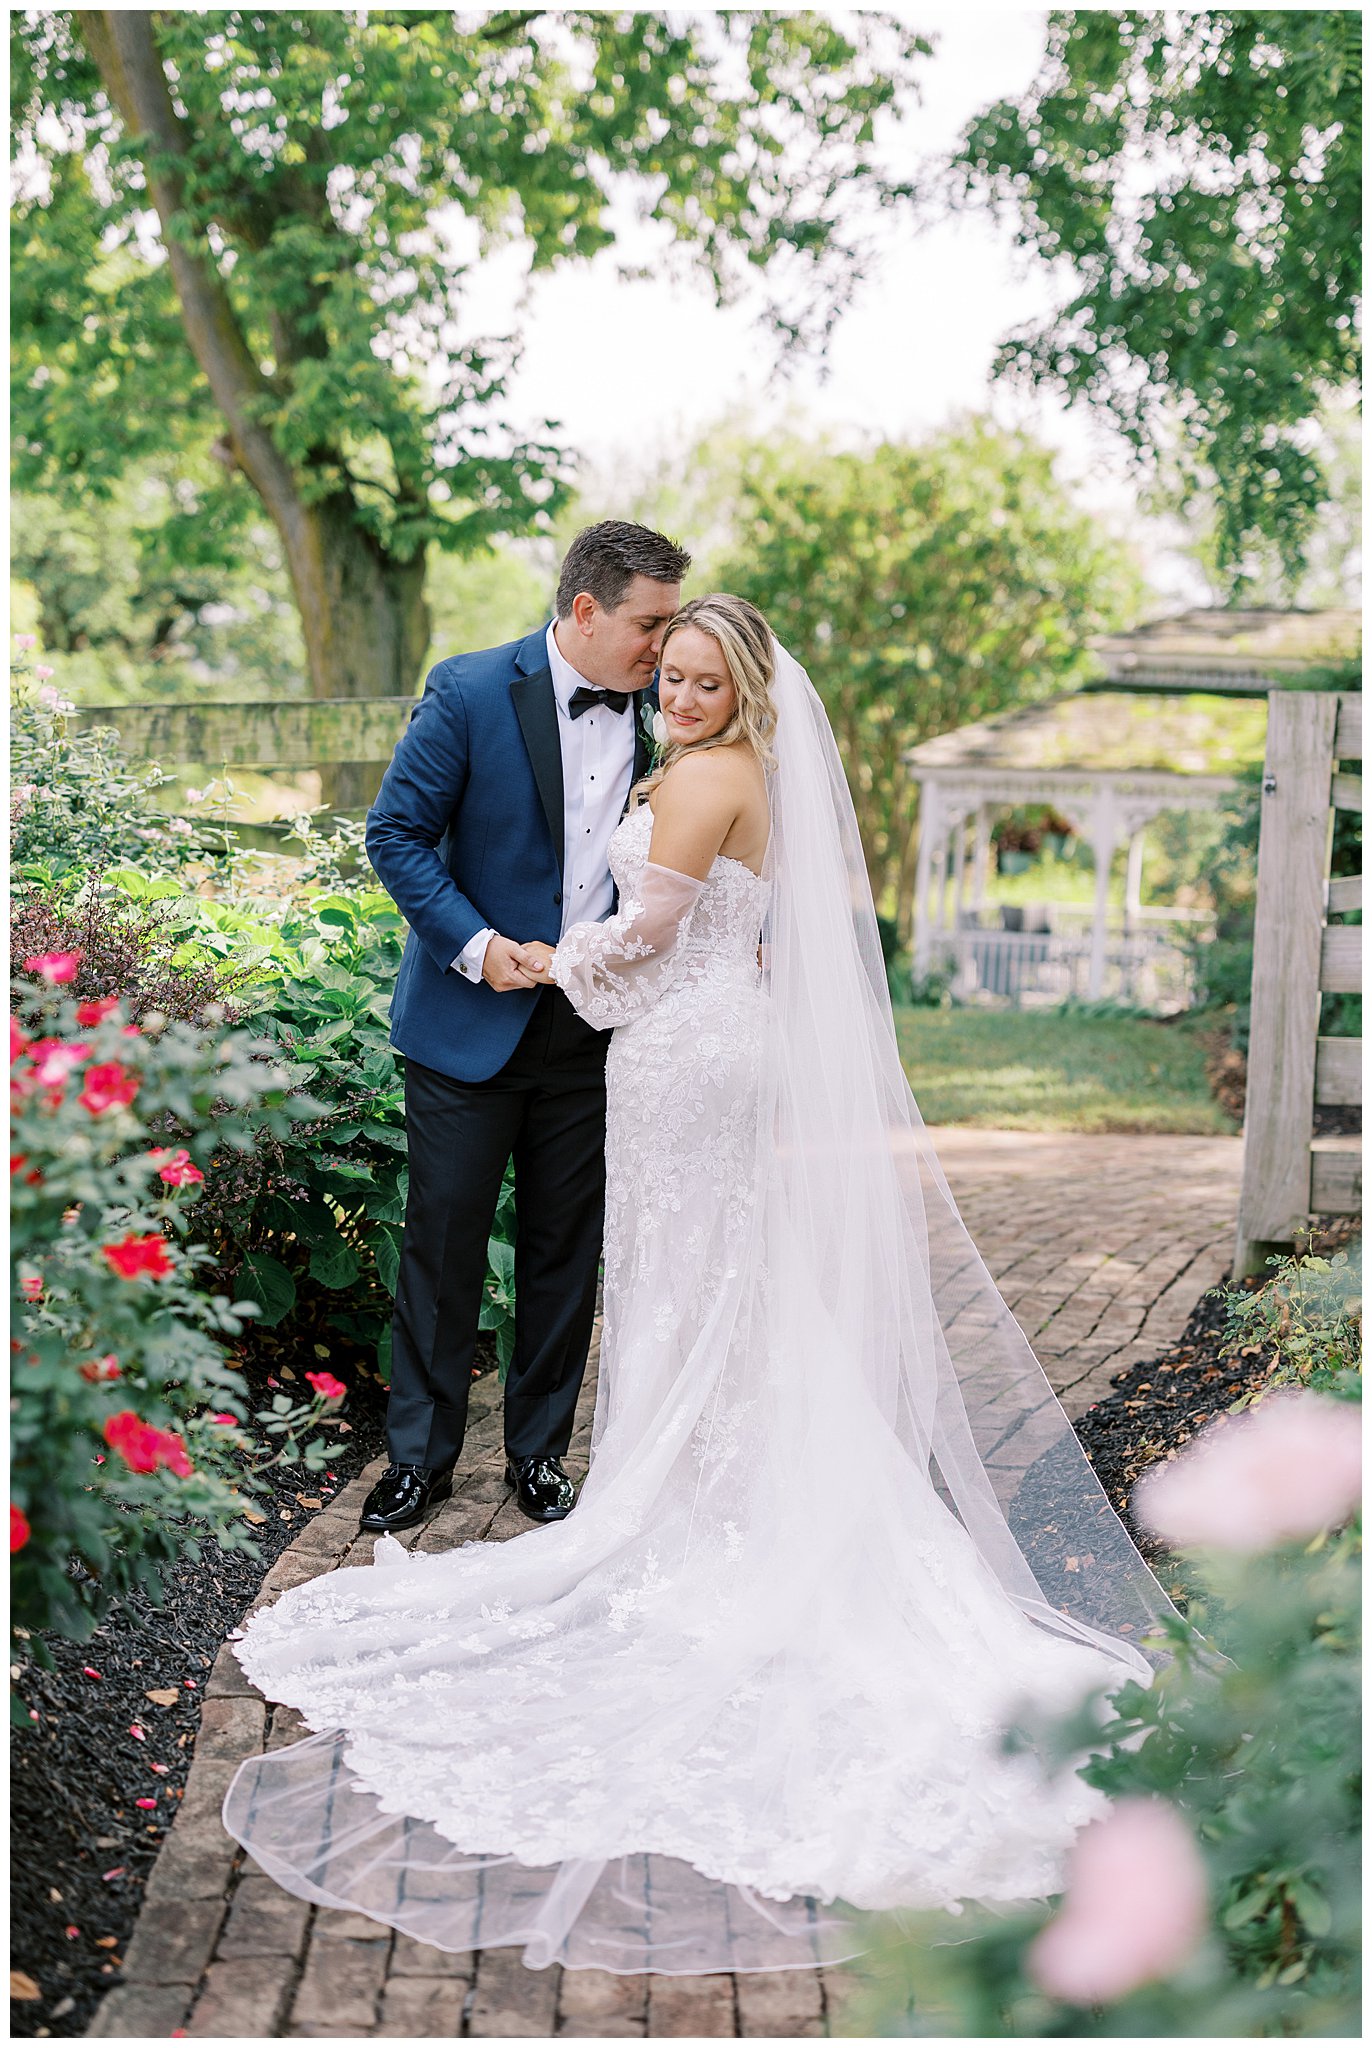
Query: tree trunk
[[366, 624], [363, 615]]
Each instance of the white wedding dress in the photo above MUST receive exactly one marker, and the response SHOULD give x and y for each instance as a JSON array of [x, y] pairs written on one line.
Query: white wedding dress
[[756, 1682]]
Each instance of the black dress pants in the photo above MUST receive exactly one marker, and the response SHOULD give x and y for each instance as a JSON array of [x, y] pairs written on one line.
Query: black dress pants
[[546, 1109]]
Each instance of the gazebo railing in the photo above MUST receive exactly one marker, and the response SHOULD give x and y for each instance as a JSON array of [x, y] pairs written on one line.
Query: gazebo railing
[[1041, 967]]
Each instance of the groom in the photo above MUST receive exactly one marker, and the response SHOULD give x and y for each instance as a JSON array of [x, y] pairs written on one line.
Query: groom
[[490, 829]]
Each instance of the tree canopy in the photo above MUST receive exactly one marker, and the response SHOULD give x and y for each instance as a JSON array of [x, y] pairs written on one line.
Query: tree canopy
[[259, 226], [922, 586], [1196, 177]]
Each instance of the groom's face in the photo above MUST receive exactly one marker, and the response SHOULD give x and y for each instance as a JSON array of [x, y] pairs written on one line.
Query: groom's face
[[618, 649]]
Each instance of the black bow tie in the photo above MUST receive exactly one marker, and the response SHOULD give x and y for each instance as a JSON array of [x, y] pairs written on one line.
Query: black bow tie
[[583, 699]]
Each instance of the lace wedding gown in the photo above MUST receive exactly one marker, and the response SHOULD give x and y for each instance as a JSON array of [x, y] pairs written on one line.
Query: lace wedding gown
[[756, 1680]]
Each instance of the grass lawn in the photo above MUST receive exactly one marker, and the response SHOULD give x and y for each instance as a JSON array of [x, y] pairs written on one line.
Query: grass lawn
[[1053, 1071]]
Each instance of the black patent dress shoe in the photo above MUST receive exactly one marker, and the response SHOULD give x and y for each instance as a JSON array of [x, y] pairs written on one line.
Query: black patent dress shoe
[[402, 1495], [542, 1488]]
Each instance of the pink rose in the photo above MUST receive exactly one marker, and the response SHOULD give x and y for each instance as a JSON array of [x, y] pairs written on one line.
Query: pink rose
[[1278, 1473], [54, 967], [54, 1060], [107, 1086], [327, 1386], [1135, 1910]]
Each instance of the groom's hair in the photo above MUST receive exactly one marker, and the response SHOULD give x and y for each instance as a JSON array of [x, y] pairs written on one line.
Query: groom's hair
[[604, 560]]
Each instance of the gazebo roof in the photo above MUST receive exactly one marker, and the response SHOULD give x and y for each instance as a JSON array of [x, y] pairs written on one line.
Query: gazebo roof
[[1088, 735], [1226, 648]]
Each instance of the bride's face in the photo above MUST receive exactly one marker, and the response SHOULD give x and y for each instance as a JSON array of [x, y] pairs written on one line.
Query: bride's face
[[695, 689]]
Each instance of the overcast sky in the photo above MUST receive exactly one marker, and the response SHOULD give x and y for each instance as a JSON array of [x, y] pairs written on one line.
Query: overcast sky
[[635, 370]]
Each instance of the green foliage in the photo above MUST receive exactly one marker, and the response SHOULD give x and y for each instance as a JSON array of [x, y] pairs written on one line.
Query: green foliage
[[1257, 1747], [922, 587], [326, 181], [169, 587], [317, 1221], [91, 1343], [75, 803], [1307, 1318], [1196, 176]]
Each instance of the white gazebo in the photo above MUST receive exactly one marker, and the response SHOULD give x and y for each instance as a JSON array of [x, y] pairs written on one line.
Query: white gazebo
[[1164, 728], [1109, 764]]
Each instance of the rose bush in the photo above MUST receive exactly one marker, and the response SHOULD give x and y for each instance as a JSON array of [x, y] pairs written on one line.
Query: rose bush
[[312, 1224], [128, 1432]]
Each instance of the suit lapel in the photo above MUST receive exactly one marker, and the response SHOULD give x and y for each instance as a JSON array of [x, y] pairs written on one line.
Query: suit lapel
[[536, 709]]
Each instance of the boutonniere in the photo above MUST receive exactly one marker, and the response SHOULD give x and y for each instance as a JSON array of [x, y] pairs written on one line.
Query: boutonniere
[[654, 731]]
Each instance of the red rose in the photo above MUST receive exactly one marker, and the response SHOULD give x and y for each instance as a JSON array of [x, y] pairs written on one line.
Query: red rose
[[31, 1287], [143, 1448], [176, 1168], [135, 1255], [18, 1042], [106, 1368], [106, 1086], [135, 1440], [96, 1012], [19, 1528], [325, 1384], [172, 1452], [54, 967]]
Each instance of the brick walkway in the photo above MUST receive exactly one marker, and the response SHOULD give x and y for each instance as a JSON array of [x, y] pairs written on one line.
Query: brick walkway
[[1101, 1245]]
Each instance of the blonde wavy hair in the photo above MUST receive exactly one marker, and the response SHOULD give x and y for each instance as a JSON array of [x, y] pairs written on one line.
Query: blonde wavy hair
[[745, 640]]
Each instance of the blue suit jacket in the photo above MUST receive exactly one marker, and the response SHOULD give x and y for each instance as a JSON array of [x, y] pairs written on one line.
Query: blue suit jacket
[[467, 831]]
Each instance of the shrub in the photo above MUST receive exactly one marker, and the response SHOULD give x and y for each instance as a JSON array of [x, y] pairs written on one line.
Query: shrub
[[126, 1417], [1307, 1317], [75, 804], [311, 1224]]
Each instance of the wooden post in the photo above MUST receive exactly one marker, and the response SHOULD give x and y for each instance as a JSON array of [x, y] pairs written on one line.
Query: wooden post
[[1287, 940]]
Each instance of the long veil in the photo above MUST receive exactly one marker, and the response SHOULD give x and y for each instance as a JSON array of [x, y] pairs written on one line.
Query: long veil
[[864, 1231], [834, 1518]]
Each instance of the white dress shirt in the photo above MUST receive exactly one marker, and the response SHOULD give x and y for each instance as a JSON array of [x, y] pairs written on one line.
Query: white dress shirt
[[597, 764]]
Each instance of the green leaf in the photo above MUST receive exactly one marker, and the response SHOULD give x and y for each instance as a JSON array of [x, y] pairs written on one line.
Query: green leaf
[[268, 1282], [386, 1251], [334, 1265]]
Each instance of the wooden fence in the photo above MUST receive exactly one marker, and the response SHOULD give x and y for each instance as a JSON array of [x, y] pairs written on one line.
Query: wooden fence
[[1288, 1174], [311, 732]]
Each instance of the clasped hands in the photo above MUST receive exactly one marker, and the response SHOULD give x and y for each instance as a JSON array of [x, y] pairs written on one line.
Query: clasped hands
[[508, 965]]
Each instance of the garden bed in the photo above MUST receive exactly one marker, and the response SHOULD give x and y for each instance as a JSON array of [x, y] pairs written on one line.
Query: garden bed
[[1160, 1404], [82, 1847]]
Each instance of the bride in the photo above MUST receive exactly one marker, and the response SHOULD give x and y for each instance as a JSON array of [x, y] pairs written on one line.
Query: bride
[[836, 1531]]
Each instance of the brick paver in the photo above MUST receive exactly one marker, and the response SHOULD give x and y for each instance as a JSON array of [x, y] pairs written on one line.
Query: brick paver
[[1101, 1246]]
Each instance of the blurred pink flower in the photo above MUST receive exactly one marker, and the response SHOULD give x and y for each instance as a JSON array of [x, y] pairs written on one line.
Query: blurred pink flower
[[43, 673], [1136, 1907], [25, 641], [54, 967], [1278, 1473]]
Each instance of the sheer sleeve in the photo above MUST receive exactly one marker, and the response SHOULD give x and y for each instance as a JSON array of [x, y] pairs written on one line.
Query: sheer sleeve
[[614, 972]]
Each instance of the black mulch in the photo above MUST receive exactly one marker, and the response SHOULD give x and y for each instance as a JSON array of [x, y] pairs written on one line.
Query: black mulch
[[81, 1848], [1160, 1404]]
